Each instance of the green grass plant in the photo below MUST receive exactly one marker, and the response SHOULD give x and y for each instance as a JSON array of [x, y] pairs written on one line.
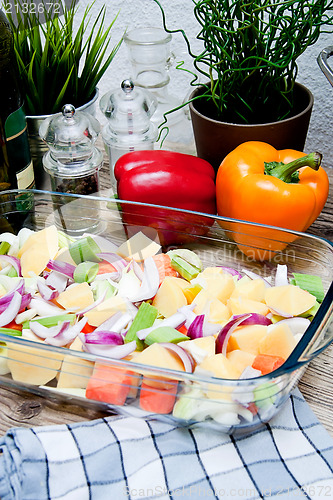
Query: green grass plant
[[59, 63], [249, 52]]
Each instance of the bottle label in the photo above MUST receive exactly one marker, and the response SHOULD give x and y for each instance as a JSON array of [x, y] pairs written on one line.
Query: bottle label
[[18, 151]]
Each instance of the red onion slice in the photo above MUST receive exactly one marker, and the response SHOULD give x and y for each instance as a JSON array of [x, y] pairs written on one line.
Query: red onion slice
[[45, 332], [187, 311], [281, 275], [104, 337], [61, 267], [150, 282], [137, 269], [231, 271], [224, 335], [195, 329], [115, 352], [184, 356], [116, 323], [26, 298], [44, 308], [254, 319], [57, 281], [256, 276], [14, 261], [67, 335], [279, 312], [9, 314], [8, 297], [45, 291]]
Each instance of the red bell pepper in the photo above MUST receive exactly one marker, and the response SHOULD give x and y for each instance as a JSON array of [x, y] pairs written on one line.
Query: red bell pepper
[[169, 179]]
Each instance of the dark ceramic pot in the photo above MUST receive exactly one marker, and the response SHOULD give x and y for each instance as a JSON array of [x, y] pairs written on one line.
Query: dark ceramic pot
[[215, 139]]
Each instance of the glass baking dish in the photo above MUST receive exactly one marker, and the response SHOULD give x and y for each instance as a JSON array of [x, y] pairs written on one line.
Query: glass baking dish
[[190, 399]]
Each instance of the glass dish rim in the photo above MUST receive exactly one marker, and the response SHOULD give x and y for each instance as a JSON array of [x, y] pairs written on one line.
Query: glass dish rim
[[320, 315]]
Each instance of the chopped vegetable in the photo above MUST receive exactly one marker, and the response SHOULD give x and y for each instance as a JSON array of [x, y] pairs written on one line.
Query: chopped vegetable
[[144, 318], [310, 283], [157, 310], [165, 334]]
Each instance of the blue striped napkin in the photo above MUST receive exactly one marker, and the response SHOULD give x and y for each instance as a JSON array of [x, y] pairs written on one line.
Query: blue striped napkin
[[131, 458]]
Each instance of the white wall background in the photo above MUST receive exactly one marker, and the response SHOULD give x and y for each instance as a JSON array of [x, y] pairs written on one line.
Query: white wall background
[[140, 13]]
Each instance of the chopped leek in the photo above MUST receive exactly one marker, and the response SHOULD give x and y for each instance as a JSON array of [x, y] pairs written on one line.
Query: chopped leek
[[51, 320], [84, 250], [85, 272], [144, 318], [165, 334], [310, 283], [100, 288], [4, 247], [185, 269]]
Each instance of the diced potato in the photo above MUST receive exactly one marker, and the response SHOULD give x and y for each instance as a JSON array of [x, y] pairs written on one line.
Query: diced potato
[[169, 298], [32, 365], [200, 348], [218, 285], [75, 372], [77, 297], [252, 290], [220, 367], [278, 341], [216, 311], [241, 359], [243, 306], [138, 247], [289, 299], [105, 310], [161, 357], [39, 248], [247, 338]]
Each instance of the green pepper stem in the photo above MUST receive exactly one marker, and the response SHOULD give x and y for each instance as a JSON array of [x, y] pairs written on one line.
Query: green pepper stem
[[284, 171]]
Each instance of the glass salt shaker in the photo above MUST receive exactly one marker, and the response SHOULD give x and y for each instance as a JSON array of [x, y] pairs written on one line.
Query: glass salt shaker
[[129, 126], [73, 161]]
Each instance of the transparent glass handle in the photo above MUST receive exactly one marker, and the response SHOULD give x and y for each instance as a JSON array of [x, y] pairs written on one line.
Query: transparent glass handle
[[323, 63]]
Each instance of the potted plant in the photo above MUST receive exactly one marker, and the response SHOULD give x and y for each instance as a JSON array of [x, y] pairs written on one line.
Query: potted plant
[[248, 63], [58, 64]]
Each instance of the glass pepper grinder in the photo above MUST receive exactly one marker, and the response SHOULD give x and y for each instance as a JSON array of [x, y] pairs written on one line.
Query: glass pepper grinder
[[73, 161], [129, 126], [151, 59]]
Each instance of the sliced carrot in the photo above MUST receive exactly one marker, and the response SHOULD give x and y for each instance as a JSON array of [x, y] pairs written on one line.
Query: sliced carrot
[[182, 329], [266, 363], [13, 326], [158, 400], [109, 384], [105, 267], [253, 408], [163, 264], [88, 328]]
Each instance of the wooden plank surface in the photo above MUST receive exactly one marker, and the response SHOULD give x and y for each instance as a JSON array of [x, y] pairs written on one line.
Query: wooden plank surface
[[19, 408]]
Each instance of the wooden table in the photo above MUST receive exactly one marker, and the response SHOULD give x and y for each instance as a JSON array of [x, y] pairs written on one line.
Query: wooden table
[[19, 408]]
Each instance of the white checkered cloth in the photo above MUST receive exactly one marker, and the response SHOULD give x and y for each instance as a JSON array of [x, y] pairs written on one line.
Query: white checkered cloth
[[131, 458]]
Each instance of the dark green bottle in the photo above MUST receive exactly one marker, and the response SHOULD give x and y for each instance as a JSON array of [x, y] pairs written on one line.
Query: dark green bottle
[[16, 169]]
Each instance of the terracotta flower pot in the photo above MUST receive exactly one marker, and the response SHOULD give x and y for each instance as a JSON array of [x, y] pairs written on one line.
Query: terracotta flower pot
[[215, 139]]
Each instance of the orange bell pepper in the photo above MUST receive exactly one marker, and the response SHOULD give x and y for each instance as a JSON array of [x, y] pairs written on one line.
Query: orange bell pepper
[[257, 183]]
